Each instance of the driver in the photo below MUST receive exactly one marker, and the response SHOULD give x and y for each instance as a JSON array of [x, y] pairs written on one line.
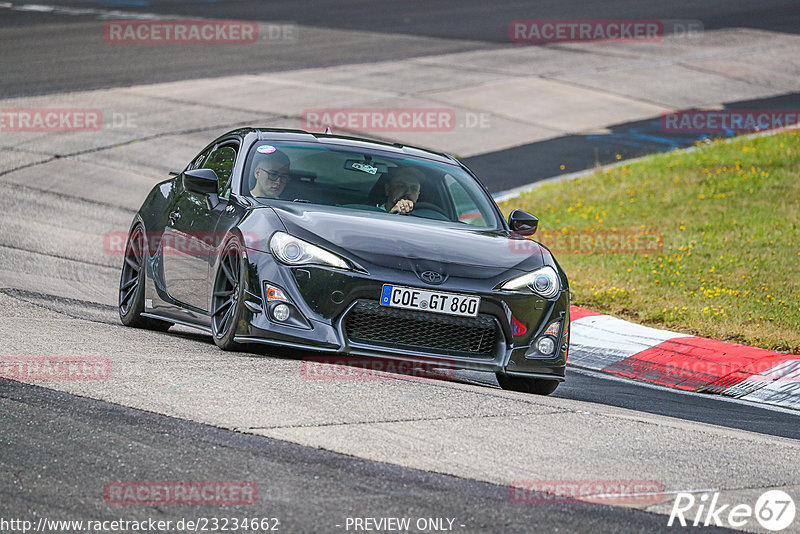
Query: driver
[[402, 190], [271, 173]]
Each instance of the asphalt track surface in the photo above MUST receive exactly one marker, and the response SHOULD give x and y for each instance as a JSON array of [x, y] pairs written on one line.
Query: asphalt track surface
[[45, 53], [308, 490], [577, 152], [58, 449]]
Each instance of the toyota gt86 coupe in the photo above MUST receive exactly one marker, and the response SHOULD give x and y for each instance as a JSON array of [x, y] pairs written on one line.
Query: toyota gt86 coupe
[[351, 246]]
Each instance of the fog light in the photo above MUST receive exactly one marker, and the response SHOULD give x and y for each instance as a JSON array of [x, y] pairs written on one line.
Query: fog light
[[546, 345], [280, 312]]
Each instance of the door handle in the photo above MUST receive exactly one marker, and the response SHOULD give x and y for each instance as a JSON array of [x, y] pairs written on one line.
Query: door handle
[[174, 216]]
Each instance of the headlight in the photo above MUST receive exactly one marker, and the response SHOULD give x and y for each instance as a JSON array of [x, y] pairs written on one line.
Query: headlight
[[542, 281], [294, 251]]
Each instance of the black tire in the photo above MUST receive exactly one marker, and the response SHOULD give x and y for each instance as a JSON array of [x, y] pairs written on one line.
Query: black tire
[[537, 386], [227, 300], [131, 285]]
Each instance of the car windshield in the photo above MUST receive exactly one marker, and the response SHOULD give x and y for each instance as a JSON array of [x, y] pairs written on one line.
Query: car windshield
[[367, 180]]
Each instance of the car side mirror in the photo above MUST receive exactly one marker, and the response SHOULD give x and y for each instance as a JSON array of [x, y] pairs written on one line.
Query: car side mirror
[[203, 181], [523, 222]]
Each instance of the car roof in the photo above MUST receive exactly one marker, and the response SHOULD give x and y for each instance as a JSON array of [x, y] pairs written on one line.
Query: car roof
[[284, 134]]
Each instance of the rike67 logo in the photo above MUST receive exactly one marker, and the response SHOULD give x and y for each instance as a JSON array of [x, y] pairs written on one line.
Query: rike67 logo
[[774, 510]]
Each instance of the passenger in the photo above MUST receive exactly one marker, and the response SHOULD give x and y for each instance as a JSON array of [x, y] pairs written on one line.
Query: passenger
[[271, 173]]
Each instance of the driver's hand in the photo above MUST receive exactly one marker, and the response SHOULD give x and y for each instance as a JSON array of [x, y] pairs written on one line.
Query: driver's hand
[[403, 206]]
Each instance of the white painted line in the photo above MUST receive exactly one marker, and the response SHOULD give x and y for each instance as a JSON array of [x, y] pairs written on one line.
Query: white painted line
[[675, 492], [659, 387], [597, 341], [34, 7], [645, 494], [508, 194], [780, 392], [78, 12]]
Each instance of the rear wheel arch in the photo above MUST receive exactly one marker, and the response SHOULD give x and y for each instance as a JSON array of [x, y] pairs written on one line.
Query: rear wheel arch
[[133, 281]]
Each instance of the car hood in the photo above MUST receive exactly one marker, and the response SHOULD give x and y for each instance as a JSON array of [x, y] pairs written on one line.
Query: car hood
[[410, 243]]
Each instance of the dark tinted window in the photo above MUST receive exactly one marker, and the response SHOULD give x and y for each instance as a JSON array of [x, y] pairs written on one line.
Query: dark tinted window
[[358, 179]]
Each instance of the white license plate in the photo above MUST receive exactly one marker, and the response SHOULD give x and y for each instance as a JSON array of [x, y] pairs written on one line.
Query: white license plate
[[431, 301]]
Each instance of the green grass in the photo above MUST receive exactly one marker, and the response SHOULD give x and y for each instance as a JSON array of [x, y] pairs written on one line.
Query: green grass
[[726, 219]]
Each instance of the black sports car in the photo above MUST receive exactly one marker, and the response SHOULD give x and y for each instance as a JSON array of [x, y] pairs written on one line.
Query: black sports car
[[346, 245]]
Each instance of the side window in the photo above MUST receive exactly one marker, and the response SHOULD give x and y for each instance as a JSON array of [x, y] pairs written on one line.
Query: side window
[[221, 161], [225, 193], [198, 161], [466, 210]]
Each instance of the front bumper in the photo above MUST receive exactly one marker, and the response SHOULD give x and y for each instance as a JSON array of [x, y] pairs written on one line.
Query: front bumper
[[324, 298]]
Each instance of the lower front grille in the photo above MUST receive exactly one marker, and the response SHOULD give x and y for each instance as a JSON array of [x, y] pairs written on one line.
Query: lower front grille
[[370, 323]]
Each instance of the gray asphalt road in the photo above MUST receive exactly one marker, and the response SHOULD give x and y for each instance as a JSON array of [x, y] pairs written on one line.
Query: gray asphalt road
[[591, 387], [582, 385], [61, 48], [55, 52], [59, 451], [471, 20], [518, 166], [43, 52]]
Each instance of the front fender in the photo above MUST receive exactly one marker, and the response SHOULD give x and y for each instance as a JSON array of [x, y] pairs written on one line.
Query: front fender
[[257, 226]]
